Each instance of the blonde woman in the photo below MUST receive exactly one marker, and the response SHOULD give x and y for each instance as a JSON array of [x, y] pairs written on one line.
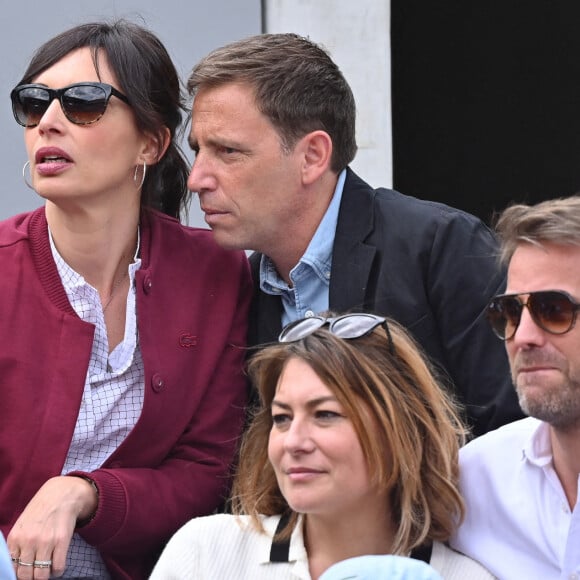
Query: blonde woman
[[354, 452]]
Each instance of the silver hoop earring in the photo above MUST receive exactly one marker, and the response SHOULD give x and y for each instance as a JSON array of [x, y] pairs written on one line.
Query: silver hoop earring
[[26, 166], [140, 184]]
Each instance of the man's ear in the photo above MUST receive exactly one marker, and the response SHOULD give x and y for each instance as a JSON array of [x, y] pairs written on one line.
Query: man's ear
[[316, 149], [155, 146]]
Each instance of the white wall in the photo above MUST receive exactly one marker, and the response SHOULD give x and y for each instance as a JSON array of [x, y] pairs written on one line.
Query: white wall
[[357, 34], [188, 29]]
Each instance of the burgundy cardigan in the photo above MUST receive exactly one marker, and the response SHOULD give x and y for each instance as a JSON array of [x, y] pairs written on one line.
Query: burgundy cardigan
[[192, 302]]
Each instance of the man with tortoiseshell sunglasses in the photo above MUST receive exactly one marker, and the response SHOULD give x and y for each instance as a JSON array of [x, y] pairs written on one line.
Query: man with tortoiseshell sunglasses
[[520, 482]]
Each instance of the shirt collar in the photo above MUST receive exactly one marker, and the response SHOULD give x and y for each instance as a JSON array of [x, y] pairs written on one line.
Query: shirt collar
[[538, 449], [318, 254], [71, 279]]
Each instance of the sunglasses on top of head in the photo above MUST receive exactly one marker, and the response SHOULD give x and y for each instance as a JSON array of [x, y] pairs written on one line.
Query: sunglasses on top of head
[[552, 310], [347, 326], [82, 103]]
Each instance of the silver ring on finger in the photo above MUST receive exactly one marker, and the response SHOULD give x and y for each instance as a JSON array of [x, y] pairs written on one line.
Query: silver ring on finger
[[27, 564], [42, 563]]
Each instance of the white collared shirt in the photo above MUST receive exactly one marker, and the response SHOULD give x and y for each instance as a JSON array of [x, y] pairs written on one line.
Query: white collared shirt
[[518, 522], [112, 397]]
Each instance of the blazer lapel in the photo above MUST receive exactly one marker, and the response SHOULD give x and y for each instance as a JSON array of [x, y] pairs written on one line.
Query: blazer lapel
[[265, 321], [352, 258]]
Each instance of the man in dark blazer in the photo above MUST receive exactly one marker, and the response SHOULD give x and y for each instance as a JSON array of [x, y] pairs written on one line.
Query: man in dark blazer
[[273, 130]]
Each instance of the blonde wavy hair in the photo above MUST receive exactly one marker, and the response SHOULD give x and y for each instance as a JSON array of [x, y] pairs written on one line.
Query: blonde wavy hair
[[411, 446]]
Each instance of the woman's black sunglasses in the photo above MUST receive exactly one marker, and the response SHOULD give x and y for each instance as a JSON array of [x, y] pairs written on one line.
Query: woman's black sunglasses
[[347, 326], [82, 103], [552, 310]]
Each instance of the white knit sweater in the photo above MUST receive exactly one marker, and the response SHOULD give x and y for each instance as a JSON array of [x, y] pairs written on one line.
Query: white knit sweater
[[223, 546]]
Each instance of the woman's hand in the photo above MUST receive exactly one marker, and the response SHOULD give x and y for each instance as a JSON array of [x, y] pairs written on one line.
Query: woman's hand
[[41, 535]]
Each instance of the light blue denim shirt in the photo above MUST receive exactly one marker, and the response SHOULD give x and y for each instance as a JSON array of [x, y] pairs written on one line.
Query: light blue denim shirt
[[311, 276]]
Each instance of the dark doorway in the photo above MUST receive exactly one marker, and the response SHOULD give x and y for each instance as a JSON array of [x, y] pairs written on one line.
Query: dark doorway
[[486, 101]]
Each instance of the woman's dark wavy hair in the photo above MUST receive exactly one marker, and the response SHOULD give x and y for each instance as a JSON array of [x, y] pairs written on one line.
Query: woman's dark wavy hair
[[147, 76]]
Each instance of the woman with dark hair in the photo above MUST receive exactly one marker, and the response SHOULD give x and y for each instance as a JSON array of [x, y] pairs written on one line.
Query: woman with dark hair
[[123, 330], [354, 452]]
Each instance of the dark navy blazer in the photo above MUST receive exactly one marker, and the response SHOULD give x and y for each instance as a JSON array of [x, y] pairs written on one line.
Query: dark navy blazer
[[431, 267]]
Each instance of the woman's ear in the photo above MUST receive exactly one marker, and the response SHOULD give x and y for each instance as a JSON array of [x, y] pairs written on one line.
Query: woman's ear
[[316, 148], [155, 146]]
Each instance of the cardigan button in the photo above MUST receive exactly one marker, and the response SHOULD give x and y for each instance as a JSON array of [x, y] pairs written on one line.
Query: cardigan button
[[147, 284], [157, 382]]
